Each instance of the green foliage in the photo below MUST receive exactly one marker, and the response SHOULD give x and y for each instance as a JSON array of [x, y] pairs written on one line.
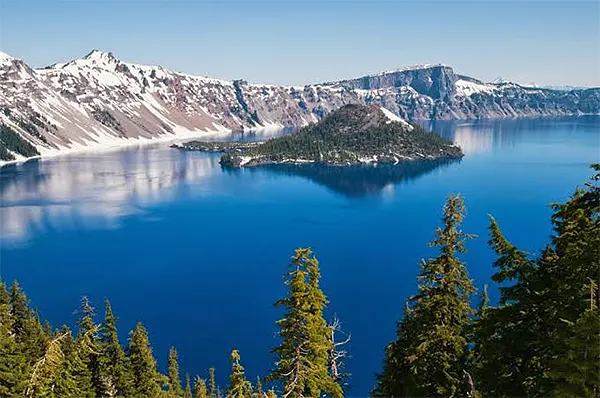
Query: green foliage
[[542, 327], [10, 140], [188, 387], [238, 387], [428, 357], [13, 365], [146, 379], [212, 385], [200, 390], [113, 363], [174, 380], [302, 356]]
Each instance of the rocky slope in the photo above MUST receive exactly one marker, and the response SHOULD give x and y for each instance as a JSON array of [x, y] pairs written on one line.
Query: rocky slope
[[99, 101], [352, 134]]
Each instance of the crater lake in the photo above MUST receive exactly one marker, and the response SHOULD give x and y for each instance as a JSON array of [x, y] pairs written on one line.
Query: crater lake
[[197, 253]]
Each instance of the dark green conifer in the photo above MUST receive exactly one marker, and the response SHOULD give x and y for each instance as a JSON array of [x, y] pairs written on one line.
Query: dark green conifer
[[212, 385], [238, 387], [200, 390], [188, 387], [146, 379], [174, 380], [115, 376], [429, 355], [303, 355], [28, 332], [90, 349], [13, 364], [258, 389]]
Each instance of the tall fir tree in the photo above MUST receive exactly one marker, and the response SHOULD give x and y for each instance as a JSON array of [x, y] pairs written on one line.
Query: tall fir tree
[[13, 364], [258, 389], [28, 333], [577, 374], [238, 387], [303, 355], [115, 376], [212, 385], [429, 356], [90, 349], [200, 390], [174, 379], [146, 379], [74, 377], [187, 393]]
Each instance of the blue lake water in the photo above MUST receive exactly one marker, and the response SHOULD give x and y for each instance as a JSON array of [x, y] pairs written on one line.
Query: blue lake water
[[197, 253]]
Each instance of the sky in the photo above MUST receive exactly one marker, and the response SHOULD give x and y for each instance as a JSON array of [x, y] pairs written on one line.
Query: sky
[[302, 42]]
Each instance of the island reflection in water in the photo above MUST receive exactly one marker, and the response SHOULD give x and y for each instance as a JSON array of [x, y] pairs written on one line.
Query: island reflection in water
[[357, 181]]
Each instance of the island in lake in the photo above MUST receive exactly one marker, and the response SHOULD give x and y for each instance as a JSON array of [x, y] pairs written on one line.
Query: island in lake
[[353, 134]]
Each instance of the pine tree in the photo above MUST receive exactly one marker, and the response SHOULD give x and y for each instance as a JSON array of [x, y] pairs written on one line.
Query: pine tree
[[577, 374], [13, 365], [302, 363], [74, 377], [200, 388], [115, 376], [188, 387], [258, 389], [396, 380], [174, 380], [212, 385], [28, 332], [429, 356], [238, 387], [146, 378], [88, 339]]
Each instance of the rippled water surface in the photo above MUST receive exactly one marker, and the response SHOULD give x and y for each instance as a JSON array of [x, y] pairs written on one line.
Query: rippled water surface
[[197, 253]]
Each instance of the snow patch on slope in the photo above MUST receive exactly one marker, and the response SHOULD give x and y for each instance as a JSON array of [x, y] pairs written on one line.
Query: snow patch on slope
[[394, 118], [466, 88]]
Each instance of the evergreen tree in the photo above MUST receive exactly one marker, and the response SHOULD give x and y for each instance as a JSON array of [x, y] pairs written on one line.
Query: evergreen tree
[[303, 354], [188, 387], [519, 341], [174, 380], [146, 378], [115, 376], [429, 356], [13, 365], [258, 389], [28, 332], [396, 380], [200, 390], [88, 340], [238, 387], [74, 377], [212, 385]]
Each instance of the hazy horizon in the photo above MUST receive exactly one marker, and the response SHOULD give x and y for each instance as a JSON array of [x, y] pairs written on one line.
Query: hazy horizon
[[297, 43]]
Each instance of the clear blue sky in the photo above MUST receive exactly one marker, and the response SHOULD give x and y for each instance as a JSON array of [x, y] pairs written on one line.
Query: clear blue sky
[[299, 42]]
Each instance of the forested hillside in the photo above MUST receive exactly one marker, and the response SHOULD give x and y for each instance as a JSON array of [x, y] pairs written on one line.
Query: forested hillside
[[541, 339]]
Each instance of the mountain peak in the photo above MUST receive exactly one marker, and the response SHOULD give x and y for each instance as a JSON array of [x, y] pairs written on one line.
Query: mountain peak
[[99, 55], [415, 67], [5, 58]]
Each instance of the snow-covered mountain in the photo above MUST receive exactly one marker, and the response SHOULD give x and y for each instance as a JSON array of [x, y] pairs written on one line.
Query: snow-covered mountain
[[98, 101]]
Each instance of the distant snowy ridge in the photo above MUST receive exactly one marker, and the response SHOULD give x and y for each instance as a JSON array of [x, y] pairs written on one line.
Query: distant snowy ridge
[[98, 101]]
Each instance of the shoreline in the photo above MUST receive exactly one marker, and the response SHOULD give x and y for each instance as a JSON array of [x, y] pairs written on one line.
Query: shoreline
[[120, 143]]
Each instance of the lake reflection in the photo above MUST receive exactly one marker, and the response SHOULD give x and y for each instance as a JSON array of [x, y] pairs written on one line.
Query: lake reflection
[[96, 190], [93, 191]]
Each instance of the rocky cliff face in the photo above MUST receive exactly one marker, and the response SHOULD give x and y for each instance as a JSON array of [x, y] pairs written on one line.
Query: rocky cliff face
[[99, 100]]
